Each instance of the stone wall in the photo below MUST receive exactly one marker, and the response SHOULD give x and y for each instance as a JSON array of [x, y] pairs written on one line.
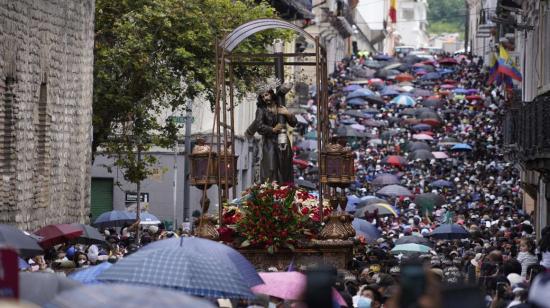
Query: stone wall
[[46, 65]]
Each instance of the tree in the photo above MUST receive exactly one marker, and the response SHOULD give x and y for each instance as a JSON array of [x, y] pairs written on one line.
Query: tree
[[156, 55], [446, 15]]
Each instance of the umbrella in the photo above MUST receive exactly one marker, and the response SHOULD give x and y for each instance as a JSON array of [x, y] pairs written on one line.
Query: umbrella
[[411, 239], [474, 97], [371, 110], [385, 179], [461, 147], [460, 91], [311, 135], [288, 286], [449, 232], [355, 114], [57, 234], [300, 163], [348, 121], [357, 102], [373, 81], [472, 91], [421, 92], [358, 127], [228, 255], [373, 123], [431, 103], [352, 203], [359, 93], [381, 57], [125, 296], [114, 219], [448, 61], [370, 200], [394, 190], [373, 64], [12, 237], [147, 219], [404, 77], [375, 142], [395, 160], [421, 154], [300, 119], [387, 91], [418, 145], [427, 201], [387, 134], [196, 271], [352, 87], [448, 86], [422, 137], [377, 100], [90, 235], [421, 127], [366, 229], [40, 288], [448, 141], [441, 184], [308, 155], [305, 184], [403, 100], [383, 209], [346, 131], [411, 59], [307, 145], [431, 76], [387, 74], [440, 155], [410, 248], [392, 66], [89, 275], [408, 111]]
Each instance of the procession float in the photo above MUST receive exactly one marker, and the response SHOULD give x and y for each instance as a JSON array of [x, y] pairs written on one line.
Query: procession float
[[274, 223]]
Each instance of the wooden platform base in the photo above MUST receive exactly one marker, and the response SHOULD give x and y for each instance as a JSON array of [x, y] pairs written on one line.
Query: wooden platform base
[[337, 253]]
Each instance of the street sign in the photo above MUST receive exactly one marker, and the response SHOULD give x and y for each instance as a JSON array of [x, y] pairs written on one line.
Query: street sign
[[131, 197], [177, 119]]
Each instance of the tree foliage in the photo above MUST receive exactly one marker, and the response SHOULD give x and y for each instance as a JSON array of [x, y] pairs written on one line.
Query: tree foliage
[[446, 15], [156, 55]]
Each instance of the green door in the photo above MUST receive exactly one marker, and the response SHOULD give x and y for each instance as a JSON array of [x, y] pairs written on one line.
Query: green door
[[102, 197]]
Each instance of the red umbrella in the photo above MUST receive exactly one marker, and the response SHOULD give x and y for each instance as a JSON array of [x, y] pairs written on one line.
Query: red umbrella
[[449, 81], [57, 234], [448, 86], [300, 163], [432, 122], [375, 80], [429, 62], [448, 61], [444, 93], [404, 77], [395, 160], [473, 97]]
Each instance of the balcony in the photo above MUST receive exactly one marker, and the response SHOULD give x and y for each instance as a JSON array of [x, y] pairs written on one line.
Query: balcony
[[343, 19], [527, 133], [293, 9]]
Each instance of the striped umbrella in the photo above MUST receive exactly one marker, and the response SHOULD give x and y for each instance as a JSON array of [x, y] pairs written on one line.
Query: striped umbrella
[[182, 268], [122, 295], [394, 190], [403, 100]]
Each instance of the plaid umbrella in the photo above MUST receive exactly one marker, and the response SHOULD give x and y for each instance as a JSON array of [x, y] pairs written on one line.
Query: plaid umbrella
[[89, 275], [223, 253], [40, 288], [120, 295], [449, 232], [57, 234], [385, 179], [90, 235], [394, 190], [25, 245], [114, 219], [180, 268]]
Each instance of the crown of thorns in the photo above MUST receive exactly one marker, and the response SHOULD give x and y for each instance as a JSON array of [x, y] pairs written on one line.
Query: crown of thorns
[[270, 83]]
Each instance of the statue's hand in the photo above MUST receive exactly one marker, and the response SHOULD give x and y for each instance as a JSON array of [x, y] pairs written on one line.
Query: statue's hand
[[278, 127], [282, 110]]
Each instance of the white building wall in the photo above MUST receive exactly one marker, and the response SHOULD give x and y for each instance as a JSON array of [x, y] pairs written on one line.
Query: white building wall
[[412, 23]]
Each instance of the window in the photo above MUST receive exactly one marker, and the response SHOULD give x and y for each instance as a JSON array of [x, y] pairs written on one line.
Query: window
[[407, 14]]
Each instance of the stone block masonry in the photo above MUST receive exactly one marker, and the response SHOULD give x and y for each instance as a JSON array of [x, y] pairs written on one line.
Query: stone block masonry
[[46, 84]]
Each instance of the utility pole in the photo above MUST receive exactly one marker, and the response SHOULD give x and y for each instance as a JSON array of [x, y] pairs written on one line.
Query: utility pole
[[467, 27], [188, 122], [175, 187]]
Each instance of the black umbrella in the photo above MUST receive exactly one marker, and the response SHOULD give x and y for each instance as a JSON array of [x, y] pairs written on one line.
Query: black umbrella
[[12, 237], [385, 179], [450, 232], [418, 145], [356, 114], [373, 64], [421, 154], [387, 74], [305, 184], [347, 131], [431, 103], [411, 59], [313, 170], [375, 100], [90, 235], [408, 111]]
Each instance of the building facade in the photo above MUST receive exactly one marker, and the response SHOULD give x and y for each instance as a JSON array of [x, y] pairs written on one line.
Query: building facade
[[525, 27], [46, 66], [412, 23]]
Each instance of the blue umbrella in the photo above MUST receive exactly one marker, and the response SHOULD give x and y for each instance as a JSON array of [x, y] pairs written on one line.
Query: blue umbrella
[[363, 92], [89, 274], [460, 91], [403, 100], [312, 135], [348, 121], [223, 252], [366, 229], [446, 71], [421, 127], [357, 102], [449, 232], [387, 91], [114, 219], [461, 147], [123, 295], [441, 184], [23, 265], [352, 87], [180, 268], [352, 203], [431, 76]]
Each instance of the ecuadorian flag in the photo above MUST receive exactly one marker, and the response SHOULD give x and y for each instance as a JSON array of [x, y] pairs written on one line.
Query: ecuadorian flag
[[506, 65]]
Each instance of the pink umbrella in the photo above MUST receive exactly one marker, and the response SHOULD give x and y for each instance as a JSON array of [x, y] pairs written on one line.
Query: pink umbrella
[[288, 286], [422, 137], [440, 155]]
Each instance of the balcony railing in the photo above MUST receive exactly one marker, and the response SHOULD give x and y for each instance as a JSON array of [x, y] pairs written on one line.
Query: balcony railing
[[527, 133]]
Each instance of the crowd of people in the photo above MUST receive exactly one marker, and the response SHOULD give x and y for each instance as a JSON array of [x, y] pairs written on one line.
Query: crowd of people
[[479, 190]]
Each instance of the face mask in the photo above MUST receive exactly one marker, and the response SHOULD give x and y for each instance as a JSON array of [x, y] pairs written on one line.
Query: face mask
[[81, 262]]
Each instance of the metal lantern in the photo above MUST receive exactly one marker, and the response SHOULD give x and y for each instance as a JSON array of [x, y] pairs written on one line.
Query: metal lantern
[[227, 167], [332, 162]]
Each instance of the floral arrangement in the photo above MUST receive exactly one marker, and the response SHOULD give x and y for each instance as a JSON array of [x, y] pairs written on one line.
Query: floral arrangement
[[273, 217]]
